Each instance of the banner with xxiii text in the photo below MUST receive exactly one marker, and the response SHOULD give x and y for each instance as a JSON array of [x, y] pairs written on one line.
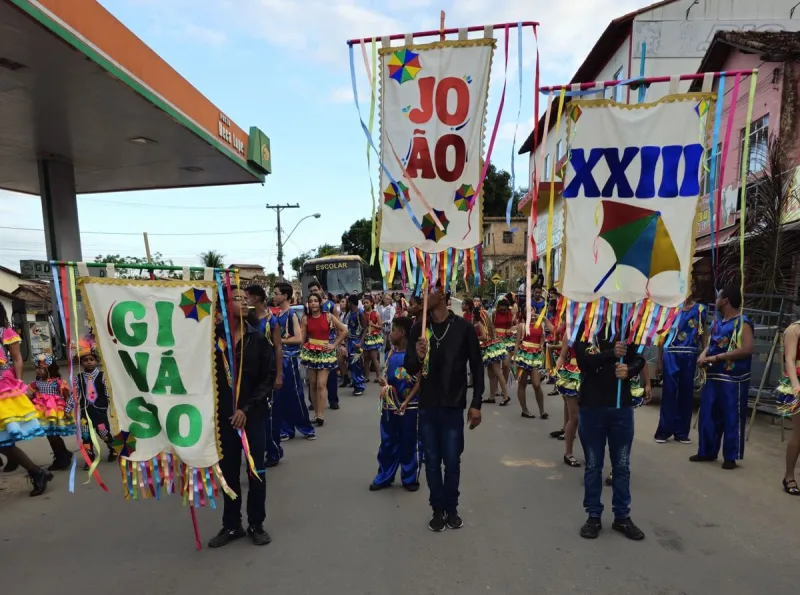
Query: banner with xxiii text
[[432, 118], [633, 181], [156, 341]]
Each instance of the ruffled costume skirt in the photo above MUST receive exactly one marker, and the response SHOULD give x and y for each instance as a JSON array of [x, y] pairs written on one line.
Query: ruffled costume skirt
[[53, 419], [493, 351], [508, 337], [18, 417], [788, 402], [529, 357], [569, 380], [373, 342], [637, 392], [315, 356]]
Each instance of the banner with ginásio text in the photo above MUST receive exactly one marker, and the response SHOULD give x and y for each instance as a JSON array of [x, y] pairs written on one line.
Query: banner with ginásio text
[[156, 343], [631, 191], [432, 116]]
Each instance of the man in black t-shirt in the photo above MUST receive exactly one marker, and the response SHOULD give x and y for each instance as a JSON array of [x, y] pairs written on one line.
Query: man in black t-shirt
[[442, 368]]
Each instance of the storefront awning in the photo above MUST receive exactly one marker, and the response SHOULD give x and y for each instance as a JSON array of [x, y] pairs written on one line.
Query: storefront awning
[[723, 238]]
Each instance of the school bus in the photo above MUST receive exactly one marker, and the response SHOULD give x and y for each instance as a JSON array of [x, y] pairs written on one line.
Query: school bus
[[339, 274]]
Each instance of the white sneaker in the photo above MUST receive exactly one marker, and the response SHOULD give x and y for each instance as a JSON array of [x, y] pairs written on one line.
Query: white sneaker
[[660, 440], [685, 440]]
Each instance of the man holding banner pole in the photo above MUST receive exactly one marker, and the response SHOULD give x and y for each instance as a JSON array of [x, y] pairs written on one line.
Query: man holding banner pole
[[248, 411]]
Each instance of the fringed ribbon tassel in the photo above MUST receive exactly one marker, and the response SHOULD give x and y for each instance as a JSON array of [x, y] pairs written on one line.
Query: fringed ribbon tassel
[[168, 474], [645, 323]]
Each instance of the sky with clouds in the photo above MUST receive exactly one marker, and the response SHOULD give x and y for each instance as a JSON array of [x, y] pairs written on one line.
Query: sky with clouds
[[282, 65]]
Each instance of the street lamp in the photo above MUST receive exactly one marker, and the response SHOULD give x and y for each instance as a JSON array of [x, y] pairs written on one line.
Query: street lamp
[[315, 216], [282, 242]]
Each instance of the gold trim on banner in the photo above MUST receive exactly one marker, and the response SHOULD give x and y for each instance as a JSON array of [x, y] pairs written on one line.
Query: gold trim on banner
[[438, 45], [674, 98], [211, 285]]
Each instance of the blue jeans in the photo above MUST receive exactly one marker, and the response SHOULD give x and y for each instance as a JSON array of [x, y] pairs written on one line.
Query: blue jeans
[[441, 430], [596, 427]]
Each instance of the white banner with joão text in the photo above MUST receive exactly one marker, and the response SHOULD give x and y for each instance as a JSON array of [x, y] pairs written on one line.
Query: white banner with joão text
[[432, 116], [631, 189], [156, 342]]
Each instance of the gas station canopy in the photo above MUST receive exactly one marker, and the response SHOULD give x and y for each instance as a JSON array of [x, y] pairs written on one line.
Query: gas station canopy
[[78, 88]]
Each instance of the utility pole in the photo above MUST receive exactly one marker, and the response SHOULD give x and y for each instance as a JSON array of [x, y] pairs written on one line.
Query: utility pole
[[278, 209]]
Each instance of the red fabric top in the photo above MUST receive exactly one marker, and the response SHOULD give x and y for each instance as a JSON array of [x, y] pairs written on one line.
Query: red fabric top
[[534, 334], [318, 328], [503, 320]]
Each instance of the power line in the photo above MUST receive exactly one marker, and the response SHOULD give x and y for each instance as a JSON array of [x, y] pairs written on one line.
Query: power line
[[159, 206], [136, 233]]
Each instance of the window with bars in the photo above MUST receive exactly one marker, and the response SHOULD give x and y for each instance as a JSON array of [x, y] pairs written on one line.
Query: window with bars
[[559, 150], [707, 189], [759, 139], [508, 237]]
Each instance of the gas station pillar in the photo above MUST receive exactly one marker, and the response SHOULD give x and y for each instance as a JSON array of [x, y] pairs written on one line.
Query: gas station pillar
[[59, 210]]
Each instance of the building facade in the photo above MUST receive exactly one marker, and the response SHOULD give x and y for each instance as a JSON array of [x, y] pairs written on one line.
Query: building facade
[[671, 37], [504, 247]]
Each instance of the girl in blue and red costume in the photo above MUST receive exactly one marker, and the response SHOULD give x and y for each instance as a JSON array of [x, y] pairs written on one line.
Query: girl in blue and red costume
[[399, 417]]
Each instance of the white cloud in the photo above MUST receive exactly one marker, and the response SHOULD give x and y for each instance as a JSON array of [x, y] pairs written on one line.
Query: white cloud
[[204, 35]]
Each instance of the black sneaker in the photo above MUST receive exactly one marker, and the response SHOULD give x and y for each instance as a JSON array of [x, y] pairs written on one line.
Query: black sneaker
[[335, 406], [411, 487], [377, 487], [39, 480], [591, 528], [345, 382], [436, 523], [701, 459], [628, 529], [453, 520], [259, 535], [225, 536], [660, 439], [271, 464], [112, 456], [728, 465]]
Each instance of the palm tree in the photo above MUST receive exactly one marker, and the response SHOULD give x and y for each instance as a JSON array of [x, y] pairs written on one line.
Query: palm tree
[[769, 247], [212, 259]]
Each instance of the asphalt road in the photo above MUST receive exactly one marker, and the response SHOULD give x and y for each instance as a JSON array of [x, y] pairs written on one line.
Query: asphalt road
[[708, 530]]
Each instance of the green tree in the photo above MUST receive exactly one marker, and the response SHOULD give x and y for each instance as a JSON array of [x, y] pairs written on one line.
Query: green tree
[[124, 272], [358, 240], [212, 259]]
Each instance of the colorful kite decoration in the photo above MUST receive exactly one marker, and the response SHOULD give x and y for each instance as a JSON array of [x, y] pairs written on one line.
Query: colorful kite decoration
[[391, 197], [639, 239], [431, 230], [465, 197], [124, 444], [404, 66], [195, 304]]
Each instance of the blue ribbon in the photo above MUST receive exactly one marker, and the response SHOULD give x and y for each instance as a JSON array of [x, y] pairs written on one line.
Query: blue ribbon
[[228, 338], [516, 127], [60, 304], [577, 323], [372, 144], [674, 330], [713, 172], [625, 310]]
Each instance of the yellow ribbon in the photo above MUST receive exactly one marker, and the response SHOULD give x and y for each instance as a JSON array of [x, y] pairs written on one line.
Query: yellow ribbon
[[743, 188], [372, 74], [553, 187]]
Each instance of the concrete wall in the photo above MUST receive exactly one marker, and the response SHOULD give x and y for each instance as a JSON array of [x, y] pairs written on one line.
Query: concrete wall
[[8, 282], [493, 245]]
